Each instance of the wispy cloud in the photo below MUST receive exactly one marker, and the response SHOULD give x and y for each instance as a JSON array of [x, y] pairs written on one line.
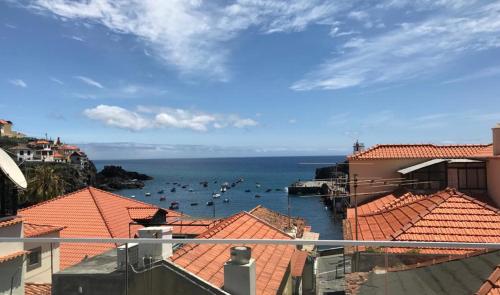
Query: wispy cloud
[[55, 80], [18, 83], [483, 73], [163, 117], [413, 50], [89, 81], [193, 35]]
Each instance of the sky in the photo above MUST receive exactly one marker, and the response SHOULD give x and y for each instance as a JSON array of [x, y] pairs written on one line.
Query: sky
[[194, 78]]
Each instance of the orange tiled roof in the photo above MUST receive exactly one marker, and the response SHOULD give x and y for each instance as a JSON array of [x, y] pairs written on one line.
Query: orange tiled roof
[[392, 200], [279, 220], [492, 285], [207, 261], [89, 212], [298, 262], [447, 216], [37, 289], [11, 256], [142, 213], [34, 230], [11, 221], [4, 122], [421, 151]]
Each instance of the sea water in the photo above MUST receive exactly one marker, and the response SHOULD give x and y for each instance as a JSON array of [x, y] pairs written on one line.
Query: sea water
[[258, 174]]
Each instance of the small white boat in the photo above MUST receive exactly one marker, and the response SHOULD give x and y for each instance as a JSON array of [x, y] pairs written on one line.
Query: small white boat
[[257, 184], [132, 196], [223, 189], [147, 194], [215, 195]]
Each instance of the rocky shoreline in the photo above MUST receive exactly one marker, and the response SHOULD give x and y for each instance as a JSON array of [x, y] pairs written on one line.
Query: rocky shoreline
[[112, 178]]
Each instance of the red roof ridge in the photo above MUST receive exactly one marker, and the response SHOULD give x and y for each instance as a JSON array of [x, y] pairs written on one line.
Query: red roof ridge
[[255, 208], [377, 146], [268, 224], [122, 197], [100, 213]]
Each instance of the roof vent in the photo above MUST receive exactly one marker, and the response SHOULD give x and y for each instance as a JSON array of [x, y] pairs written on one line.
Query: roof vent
[[239, 272], [240, 255]]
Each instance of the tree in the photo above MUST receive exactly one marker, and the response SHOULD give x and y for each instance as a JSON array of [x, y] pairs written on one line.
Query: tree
[[44, 184]]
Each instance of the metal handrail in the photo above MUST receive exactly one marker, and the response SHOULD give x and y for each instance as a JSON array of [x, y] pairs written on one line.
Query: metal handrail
[[341, 243]]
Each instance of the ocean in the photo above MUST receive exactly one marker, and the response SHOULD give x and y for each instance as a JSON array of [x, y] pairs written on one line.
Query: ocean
[[273, 173]]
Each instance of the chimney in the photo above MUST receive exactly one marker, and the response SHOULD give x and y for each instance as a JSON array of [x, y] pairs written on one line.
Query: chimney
[[496, 140], [239, 272], [149, 253]]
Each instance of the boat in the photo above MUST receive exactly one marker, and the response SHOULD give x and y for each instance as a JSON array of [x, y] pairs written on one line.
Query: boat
[[173, 190], [210, 203], [184, 186], [174, 206], [233, 184], [258, 196], [161, 191], [257, 184], [147, 194], [226, 201], [215, 195], [223, 189], [268, 190], [278, 190], [163, 199], [132, 196], [191, 190], [194, 204], [247, 191]]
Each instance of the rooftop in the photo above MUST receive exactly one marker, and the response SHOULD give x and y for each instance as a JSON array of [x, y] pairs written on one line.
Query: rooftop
[[37, 289], [35, 230], [423, 151], [279, 220], [447, 216], [207, 261], [89, 212]]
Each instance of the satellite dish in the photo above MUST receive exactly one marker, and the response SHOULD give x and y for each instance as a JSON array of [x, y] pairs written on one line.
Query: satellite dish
[[10, 169]]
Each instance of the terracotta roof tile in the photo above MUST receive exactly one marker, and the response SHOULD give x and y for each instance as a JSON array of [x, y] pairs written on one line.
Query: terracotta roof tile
[[11, 256], [89, 212], [298, 262], [492, 285], [422, 151], [37, 289], [207, 261], [447, 216], [142, 213], [34, 230], [10, 221], [279, 220]]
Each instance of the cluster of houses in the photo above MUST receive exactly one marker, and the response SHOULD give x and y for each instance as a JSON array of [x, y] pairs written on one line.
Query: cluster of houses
[[50, 151], [400, 193]]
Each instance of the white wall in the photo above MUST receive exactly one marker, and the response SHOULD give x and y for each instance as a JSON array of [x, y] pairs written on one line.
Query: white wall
[[11, 231], [43, 273]]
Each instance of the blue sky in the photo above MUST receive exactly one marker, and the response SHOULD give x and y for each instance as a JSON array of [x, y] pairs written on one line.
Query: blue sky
[[186, 78]]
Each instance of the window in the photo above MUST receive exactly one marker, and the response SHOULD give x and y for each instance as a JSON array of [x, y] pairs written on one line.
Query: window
[[28, 153], [21, 153], [34, 258]]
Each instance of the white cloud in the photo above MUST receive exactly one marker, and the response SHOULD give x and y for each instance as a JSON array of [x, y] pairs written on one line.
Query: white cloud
[[413, 50], [161, 117], [18, 83], [192, 34], [117, 117], [292, 121], [89, 81]]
